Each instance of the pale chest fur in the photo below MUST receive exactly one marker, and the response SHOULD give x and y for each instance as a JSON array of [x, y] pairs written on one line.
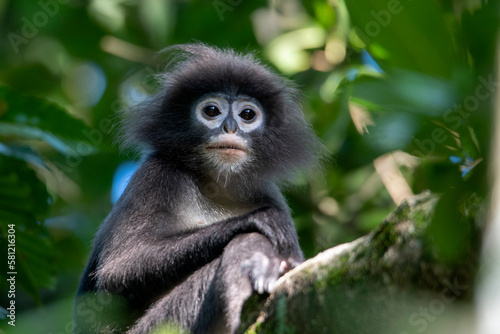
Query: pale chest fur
[[201, 211]]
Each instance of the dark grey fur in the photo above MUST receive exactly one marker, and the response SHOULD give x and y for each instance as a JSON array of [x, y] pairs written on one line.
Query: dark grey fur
[[151, 263]]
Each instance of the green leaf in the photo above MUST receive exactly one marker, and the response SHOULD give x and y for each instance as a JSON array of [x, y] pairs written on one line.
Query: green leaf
[[30, 117], [408, 91], [406, 34], [24, 202]]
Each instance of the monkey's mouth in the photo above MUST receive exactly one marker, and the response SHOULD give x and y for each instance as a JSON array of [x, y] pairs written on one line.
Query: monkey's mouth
[[225, 147], [228, 152]]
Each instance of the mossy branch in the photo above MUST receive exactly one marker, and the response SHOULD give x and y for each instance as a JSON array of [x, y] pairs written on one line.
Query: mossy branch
[[376, 284]]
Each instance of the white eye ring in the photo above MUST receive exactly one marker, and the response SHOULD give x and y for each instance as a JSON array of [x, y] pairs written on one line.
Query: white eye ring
[[215, 121], [247, 125]]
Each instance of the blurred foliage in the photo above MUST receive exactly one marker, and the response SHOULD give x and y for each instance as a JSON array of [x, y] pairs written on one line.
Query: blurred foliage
[[400, 92]]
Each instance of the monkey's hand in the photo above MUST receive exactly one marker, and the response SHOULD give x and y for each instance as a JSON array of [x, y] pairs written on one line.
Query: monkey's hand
[[277, 226], [263, 271], [257, 264]]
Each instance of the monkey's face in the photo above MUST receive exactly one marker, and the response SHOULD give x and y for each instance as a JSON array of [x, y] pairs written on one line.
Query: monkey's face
[[220, 113], [227, 124]]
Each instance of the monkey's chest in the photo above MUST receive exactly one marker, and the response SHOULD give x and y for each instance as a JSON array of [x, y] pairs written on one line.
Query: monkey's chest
[[201, 213]]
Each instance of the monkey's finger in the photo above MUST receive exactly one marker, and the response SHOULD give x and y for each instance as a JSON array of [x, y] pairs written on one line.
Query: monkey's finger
[[283, 267], [270, 285], [259, 286]]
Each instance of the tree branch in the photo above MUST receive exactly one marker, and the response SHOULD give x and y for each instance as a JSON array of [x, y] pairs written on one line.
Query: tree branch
[[389, 279]]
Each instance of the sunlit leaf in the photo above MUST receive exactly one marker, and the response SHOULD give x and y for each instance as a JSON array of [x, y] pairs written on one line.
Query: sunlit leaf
[[288, 52]]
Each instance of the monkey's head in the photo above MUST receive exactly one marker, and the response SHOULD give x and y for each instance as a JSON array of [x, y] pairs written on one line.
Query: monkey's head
[[223, 113]]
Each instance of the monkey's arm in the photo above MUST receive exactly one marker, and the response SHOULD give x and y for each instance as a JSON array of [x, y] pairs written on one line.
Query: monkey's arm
[[165, 261]]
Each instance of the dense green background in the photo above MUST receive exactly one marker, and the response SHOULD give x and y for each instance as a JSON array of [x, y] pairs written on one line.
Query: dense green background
[[420, 73]]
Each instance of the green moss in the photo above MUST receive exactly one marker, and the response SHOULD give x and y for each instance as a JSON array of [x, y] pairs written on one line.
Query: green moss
[[335, 276]]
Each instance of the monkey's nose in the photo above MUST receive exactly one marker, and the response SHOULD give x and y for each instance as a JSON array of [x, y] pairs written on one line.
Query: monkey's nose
[[230, 125]]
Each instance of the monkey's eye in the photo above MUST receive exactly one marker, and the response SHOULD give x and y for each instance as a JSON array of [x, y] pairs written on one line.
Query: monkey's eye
[[211, 111], [247, 114]]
